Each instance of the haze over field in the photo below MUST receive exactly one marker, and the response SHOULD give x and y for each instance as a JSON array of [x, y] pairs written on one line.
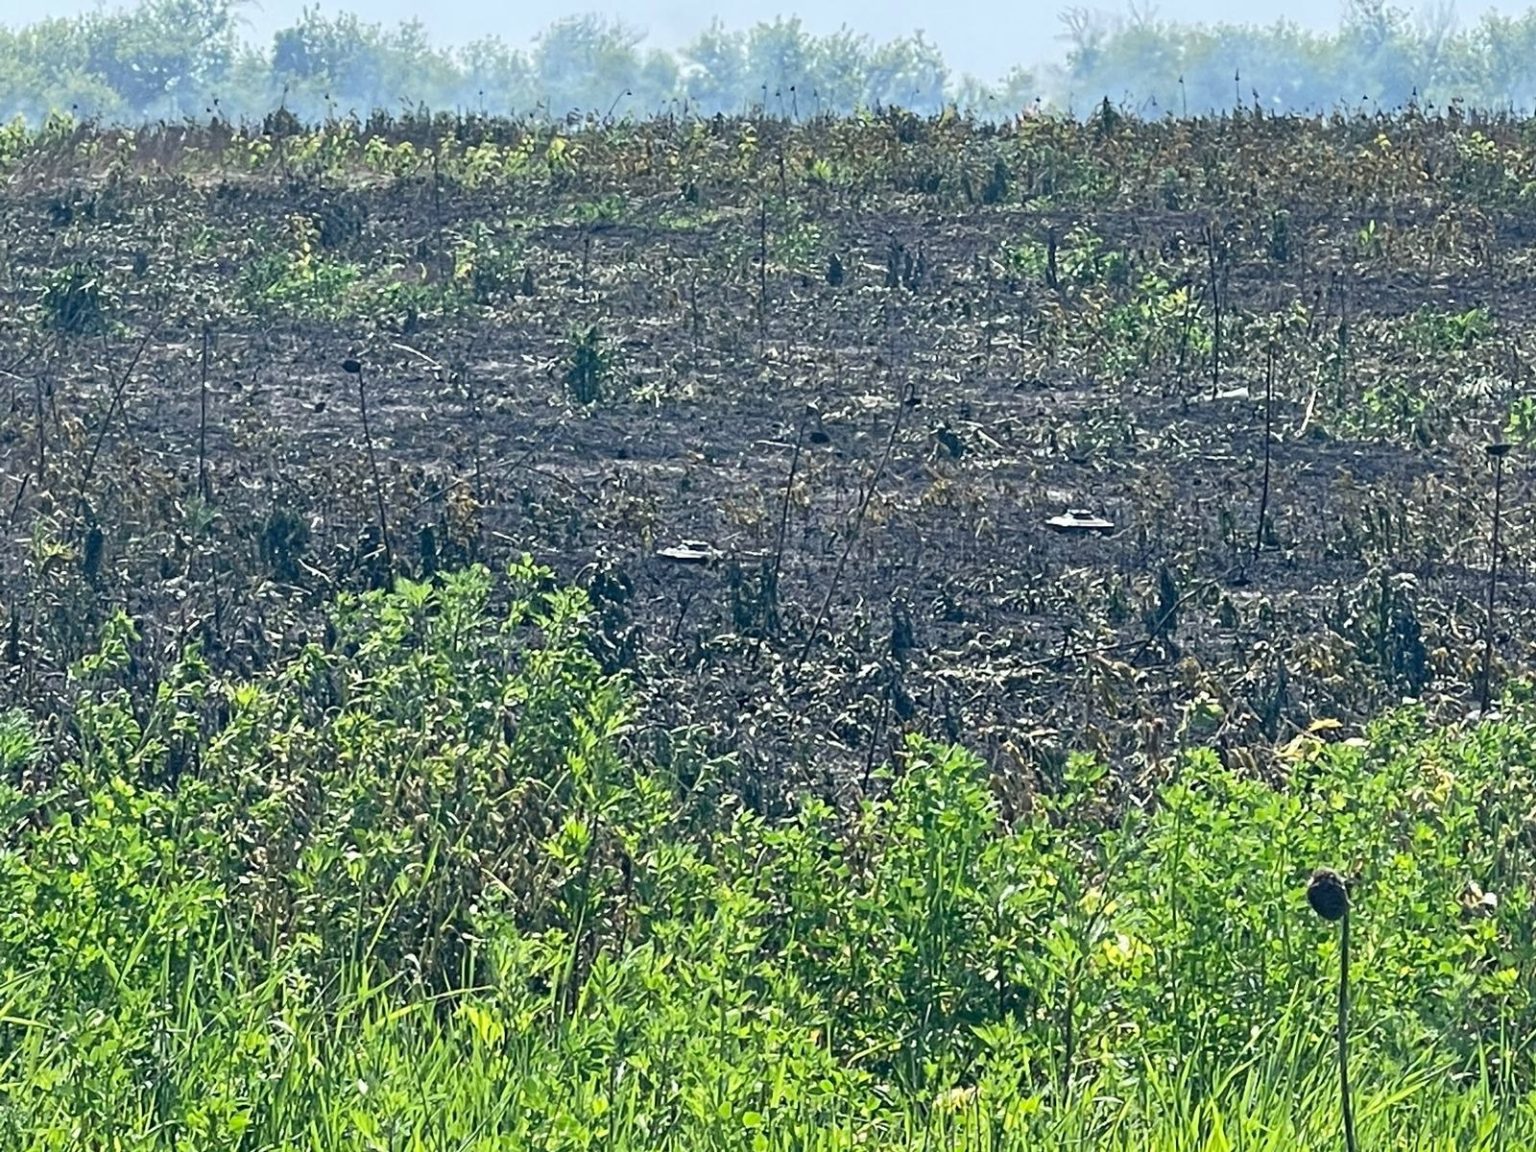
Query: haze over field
[[986, 38], [177, 58]]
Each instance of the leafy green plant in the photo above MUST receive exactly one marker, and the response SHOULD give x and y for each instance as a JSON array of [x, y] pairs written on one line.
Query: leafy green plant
[[589, 375], [819, 171], [1373, 239], [1158, 325], [603, 212], [74, 301], [1085, 260], [490, 266], [1452, 331], [1520, 424], [301, 277], [1027, 258], [19, 743], [1394, 409]]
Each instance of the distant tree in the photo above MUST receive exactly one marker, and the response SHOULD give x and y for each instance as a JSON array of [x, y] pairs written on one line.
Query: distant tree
[[170, 58], [163, 58], [43, 69], [779, 56], [1084, 30], [349, 65], [1379, 40], [495, 78], [839, 73], [588, 64], [1500, 65], [908, 73], [1018, 90], [715, 69]]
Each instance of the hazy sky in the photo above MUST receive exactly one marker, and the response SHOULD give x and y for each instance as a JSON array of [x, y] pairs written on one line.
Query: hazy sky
[[984, 37]]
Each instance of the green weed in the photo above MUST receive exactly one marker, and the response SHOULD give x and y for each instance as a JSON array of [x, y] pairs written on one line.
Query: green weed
[[409, 890], [299, 276], [589, 375], [74, 301]]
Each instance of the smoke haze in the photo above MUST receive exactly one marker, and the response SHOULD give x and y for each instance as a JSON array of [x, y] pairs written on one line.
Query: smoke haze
[[985, 38]]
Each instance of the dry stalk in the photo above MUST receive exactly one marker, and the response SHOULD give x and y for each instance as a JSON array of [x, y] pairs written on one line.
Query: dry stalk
[[853, 536], [1328, 893], [355, 368], [1498, 451]]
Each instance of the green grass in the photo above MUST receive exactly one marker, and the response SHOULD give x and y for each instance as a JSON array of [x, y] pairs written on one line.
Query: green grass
[[419, 888]]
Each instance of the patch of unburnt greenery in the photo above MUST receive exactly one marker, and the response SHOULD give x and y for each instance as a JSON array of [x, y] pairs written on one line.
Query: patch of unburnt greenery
[[428, 878]]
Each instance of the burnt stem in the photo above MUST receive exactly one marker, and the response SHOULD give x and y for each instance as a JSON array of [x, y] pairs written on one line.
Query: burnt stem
[[373, 468], [1269, 413], [1498, 451], [1210, 248], [778, 551], [204, 489]]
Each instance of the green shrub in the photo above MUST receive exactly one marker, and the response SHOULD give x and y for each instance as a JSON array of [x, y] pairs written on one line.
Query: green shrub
[[409, 888], [590, 372]]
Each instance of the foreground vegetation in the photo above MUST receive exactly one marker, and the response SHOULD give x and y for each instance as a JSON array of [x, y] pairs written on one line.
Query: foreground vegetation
[[417, 888]]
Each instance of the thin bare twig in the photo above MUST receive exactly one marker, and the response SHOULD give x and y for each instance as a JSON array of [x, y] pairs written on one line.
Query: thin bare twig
[[119, 387], [853, 536], [373, 467], [204, 489], [1269, 413], [789, 483]]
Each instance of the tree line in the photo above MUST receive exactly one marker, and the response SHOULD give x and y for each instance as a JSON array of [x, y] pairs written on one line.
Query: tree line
[[166, 59]]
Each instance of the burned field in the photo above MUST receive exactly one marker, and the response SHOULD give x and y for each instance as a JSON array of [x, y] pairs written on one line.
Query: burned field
[[797, 405]]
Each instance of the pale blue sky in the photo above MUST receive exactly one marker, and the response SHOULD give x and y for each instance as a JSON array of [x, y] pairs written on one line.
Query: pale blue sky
[[984, 37]]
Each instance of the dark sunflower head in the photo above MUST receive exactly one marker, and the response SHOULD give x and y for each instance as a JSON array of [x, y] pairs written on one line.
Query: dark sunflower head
[[1328, 893]]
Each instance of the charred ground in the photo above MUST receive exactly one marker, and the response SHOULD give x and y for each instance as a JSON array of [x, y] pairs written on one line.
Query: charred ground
[[865, 361]]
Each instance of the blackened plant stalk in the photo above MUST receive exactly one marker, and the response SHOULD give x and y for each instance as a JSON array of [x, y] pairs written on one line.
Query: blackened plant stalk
[[853, 536], [789, 485], [1498, 451], [204, 489], [1215, 273], [1269, 413], [40, 390], [762, 272], [354, 367], [114, 404], [1328, 893]]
